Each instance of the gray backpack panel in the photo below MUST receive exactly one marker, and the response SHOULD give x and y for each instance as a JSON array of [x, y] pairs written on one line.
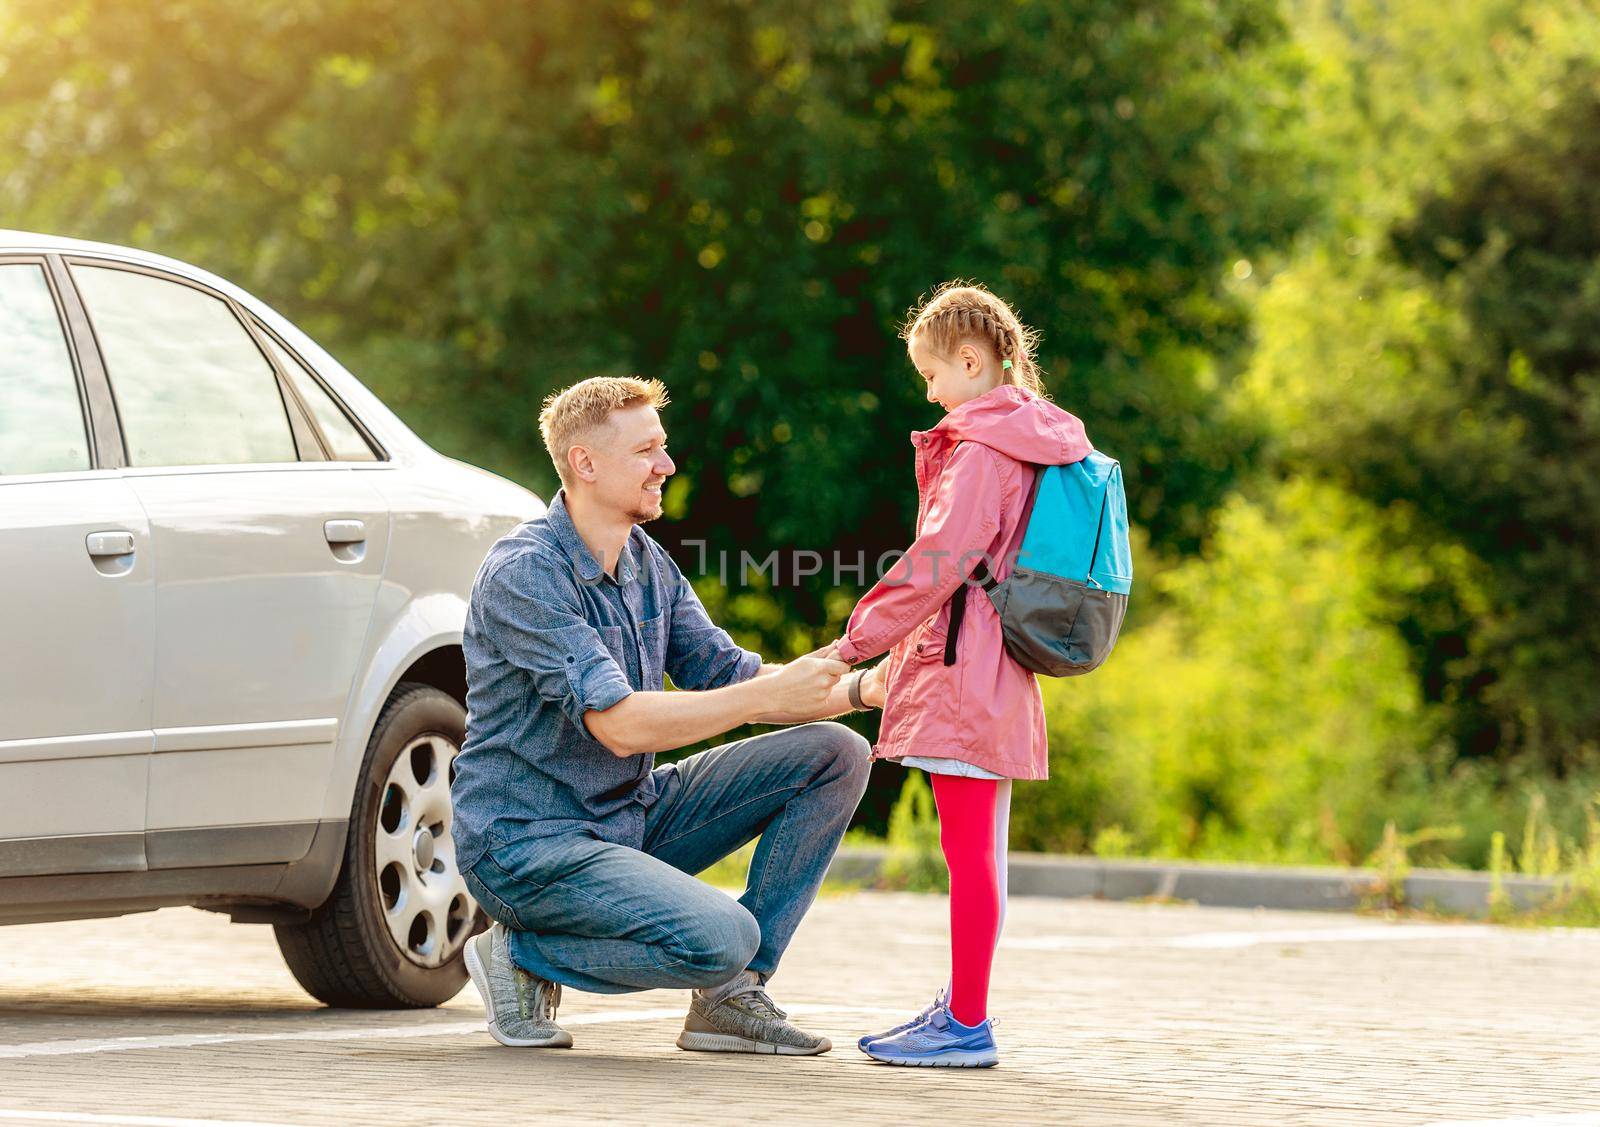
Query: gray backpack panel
[[1055, 626]]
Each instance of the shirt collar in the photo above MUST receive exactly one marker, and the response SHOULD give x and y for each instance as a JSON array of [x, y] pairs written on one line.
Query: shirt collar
[[588, 568]]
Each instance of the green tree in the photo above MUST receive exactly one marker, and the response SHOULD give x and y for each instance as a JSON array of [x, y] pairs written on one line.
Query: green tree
[[1263, 715], [1514, 240], [1435, 354], [477, 203]]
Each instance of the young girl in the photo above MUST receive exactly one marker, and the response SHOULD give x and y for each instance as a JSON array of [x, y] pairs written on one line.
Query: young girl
[[973, 719]]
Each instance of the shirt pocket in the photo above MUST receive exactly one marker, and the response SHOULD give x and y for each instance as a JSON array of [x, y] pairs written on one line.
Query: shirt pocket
[[619, 643], [653, 644]]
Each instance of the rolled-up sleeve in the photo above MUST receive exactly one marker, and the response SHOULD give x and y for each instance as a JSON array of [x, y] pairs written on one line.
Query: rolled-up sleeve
[[536, 622], [700, 654]]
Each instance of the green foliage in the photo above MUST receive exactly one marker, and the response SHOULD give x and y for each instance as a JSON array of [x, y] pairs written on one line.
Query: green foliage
[[1498, 900], [1436, 355], [732, 871], [1258, 716], [477, 203], [1266, 712], [1573, 863], [914, 860], [1324, 275], [1515, 244], [1577, 899], [1392, 860]]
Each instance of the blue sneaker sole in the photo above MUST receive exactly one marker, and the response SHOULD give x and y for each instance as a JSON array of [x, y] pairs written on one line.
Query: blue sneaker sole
[[946, 1058]]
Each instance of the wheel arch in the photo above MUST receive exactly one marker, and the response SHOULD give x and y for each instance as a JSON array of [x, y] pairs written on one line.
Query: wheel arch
[[422, 644]]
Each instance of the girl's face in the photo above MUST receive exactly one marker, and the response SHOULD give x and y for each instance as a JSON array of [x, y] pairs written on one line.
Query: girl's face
[[953, 380]]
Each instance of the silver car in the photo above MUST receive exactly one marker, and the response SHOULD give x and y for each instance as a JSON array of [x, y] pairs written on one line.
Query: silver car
[[232, 590]]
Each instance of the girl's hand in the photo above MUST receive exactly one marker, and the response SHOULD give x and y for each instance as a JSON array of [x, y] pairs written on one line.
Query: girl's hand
[[873, 690], [830, 650]]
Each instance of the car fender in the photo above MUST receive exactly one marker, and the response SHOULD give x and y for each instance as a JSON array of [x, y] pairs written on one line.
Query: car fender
[[427, 623]]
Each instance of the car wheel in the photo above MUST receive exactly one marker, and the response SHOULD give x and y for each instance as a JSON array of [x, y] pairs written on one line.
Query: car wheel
[[392, 933]]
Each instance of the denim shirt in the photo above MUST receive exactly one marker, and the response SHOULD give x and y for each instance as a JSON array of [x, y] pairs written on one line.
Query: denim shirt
[[549, 636]]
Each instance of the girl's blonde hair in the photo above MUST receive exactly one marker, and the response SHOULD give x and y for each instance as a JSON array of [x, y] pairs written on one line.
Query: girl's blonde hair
[[959, 311]]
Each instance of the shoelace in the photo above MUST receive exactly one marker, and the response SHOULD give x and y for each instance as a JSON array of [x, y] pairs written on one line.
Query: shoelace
[[545, 999], [759, 1000]]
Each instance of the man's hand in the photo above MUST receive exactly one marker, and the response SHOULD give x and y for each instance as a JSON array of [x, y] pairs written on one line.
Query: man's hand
[[644, 722], [803, 685], [769, 669]]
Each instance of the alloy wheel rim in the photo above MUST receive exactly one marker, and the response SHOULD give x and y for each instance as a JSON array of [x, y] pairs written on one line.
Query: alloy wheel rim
[[423, 898]]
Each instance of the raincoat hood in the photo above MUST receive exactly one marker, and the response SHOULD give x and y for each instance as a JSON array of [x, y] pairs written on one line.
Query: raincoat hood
[[1019, 424]]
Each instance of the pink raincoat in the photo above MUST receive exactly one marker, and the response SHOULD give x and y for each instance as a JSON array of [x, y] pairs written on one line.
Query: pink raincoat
[[985, 709]]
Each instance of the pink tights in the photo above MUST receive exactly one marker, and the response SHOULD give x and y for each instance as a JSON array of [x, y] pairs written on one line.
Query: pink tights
[[974, 818]]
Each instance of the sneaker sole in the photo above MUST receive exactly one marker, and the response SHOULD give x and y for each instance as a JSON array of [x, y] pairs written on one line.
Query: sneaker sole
[[729, 1043], [949, 1058], [480, 979]]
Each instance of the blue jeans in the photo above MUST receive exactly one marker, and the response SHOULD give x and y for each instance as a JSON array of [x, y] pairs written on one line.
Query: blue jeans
[[609, 919]]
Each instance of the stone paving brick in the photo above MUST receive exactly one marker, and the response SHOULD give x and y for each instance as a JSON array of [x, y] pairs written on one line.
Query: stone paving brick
[[1104, 1021]]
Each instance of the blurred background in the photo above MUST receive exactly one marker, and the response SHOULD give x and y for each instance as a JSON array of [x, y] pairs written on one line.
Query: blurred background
[[1324, 276]]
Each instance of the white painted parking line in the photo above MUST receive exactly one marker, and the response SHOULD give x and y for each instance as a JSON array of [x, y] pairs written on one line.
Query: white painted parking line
[[431, 1029], [127, 1120], [1368, 933], [1574, 1119], [1225, 940]]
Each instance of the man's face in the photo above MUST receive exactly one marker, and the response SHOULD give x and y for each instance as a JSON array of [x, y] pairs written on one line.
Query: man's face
[[631, 466]]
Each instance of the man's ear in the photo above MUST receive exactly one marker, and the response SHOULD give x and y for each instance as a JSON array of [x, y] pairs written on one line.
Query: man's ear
[[581, 463]]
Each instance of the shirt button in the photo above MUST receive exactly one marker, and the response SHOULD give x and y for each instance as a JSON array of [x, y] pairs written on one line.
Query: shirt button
[[570, 659]]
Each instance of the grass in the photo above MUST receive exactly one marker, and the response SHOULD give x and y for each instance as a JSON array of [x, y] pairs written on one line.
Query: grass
[[729, 874], [915, 863]]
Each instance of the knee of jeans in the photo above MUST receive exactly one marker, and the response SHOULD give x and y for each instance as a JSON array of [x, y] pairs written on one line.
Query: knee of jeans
[[493, 907], [726, 946], [848, 748]]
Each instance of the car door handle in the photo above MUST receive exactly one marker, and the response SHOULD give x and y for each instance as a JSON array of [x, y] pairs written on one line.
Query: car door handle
[[345, 531], [103, 544]]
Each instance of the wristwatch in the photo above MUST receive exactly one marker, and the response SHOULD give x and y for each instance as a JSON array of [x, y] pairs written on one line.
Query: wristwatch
[[855, 691]]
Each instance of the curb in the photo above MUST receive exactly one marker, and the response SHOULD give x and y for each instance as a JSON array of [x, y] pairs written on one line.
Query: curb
[[1230, 886]]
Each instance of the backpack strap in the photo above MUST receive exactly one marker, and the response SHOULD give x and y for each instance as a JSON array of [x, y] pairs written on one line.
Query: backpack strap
[[984, 577], [958, 610]]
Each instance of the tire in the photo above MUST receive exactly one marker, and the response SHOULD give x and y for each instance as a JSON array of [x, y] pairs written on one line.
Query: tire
[[391, 935]]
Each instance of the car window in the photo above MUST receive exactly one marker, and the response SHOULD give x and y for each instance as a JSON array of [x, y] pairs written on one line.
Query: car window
[[41, 418], [191, 386], [345, 442]]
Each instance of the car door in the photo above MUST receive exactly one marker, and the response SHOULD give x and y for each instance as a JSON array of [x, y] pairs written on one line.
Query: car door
[[271, 560], [77, 603]]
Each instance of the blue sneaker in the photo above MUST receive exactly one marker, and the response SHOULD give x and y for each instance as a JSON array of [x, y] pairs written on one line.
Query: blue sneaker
[[940, 1042], [940, 1000]]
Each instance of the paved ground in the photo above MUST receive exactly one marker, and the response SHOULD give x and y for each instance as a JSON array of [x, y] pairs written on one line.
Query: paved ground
[[1113, 1013]]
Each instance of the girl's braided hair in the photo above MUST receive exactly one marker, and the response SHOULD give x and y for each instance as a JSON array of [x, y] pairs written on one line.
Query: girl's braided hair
[[960, 311]]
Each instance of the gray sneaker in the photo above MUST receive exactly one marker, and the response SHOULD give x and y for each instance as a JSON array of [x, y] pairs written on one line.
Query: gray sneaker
[[746, 1022], [520, 1007]]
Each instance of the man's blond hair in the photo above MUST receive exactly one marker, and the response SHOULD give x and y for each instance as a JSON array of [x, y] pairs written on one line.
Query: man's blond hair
[[570, 416]]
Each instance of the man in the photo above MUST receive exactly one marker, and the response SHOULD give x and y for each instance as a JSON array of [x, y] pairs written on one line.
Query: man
[[579, 849]]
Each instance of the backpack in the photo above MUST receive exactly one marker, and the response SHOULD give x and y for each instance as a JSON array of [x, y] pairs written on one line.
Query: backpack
[[1062, 606]]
